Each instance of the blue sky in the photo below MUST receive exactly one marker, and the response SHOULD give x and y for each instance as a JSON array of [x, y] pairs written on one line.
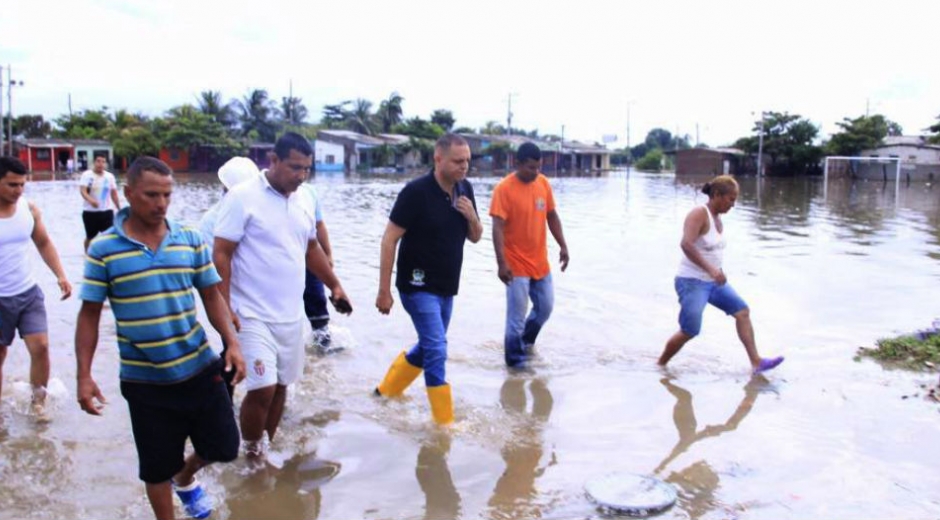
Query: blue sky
[[679, 65]]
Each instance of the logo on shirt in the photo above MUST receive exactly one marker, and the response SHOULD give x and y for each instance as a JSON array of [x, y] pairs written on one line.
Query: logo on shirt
[[417, 278], [540, 204], [259, 367]]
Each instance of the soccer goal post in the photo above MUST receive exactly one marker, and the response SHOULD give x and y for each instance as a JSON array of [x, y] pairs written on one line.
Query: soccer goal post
[[861, 167]]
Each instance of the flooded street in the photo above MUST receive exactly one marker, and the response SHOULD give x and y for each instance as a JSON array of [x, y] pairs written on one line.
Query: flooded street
[[823, 436]]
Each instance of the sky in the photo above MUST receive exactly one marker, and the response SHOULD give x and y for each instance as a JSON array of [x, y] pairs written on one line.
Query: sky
[[702, 68]]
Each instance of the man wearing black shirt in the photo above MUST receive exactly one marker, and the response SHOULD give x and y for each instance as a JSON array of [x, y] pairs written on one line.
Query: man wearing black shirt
[[432, 217]]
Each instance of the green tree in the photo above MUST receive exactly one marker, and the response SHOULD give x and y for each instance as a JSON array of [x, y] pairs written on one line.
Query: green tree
[[258, 116], [211, 104], [861, 133], [444, 119], [420, 128], [359, 118], [493, 128], [293, 110], [936, 131], [788, 141], [30, 126], [464, 130], [651, 162], [334, 116], [86, 124], [186, 127], [390, 112]]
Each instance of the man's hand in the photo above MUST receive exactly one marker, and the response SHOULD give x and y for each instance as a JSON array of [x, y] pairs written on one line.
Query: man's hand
[[563, 258], [384, 301], [719, 276], [88, 394], [236, 323], [465, 207], [235, 361], [505, 274], [340, 301], [65, 287], [94, 203]]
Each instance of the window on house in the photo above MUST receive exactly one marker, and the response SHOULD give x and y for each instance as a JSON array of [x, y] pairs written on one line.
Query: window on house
[[174, 155], [330, 159], [43, 155]]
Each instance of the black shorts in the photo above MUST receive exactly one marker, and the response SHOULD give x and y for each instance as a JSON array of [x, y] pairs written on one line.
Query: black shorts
[[164, 416], [97, 222]]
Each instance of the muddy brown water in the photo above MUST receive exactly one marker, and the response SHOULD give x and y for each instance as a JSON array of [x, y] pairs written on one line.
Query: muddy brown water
[[823, 436]]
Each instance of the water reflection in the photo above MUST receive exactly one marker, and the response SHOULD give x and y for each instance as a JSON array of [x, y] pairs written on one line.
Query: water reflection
[[442, 502], [698, 482], [515, 494], [290, 492]]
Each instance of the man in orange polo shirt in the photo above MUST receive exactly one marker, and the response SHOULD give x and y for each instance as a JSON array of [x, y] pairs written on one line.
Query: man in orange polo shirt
[[522, 206]]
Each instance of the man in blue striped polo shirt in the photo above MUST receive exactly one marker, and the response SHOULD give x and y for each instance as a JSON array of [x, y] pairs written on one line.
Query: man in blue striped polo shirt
[[147, 266]]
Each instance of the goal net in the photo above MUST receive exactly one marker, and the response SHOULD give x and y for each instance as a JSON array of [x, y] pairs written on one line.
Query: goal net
[[858, 167]]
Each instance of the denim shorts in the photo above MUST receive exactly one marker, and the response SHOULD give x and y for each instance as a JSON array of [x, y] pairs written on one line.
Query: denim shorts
[[694, 294]]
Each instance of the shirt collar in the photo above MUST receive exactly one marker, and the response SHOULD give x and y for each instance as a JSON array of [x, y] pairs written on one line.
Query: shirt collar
[[125, 213]]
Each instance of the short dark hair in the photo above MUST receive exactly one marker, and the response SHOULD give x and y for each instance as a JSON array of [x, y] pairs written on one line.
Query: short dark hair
[[292, 141], [146, 164], [447, 140], [528, 151], [11, 165]]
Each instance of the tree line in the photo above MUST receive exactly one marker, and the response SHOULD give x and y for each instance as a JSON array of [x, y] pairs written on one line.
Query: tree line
[[789, 142], [230, 127]]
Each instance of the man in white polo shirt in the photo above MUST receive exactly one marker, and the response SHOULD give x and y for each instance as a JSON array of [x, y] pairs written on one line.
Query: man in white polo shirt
[[265, 237]]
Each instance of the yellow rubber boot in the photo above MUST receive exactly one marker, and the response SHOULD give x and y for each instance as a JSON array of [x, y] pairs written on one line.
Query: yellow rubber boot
[[442, 404], [399, 376]]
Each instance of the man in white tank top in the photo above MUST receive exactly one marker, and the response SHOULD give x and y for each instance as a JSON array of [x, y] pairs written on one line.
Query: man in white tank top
[[21, 300], [701, 280]]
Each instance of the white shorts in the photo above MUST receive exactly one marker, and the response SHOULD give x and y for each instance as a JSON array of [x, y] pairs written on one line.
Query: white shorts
[[274, 352]]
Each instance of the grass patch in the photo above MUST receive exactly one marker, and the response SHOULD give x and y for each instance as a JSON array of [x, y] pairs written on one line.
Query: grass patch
[[907, 351]]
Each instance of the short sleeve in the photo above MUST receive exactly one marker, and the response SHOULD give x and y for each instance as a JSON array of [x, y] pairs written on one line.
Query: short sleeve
[[407, 206], [205, 273], [549, 195], [468, 192], [498, 202], [86, 180], [232, 218], [95, 283], [113, 182]]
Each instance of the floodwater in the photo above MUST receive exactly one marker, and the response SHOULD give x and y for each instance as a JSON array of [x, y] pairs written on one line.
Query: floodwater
[[823, 436]]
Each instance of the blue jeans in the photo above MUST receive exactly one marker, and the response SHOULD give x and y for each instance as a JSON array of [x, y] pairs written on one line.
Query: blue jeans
[[694, 294], [520, 330], [430, 315], [315, 302]]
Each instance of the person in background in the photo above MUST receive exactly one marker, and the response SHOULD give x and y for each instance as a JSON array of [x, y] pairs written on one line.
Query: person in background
[[22, 304], [315, 300], [234, 172], [99, 193], [702, 281]]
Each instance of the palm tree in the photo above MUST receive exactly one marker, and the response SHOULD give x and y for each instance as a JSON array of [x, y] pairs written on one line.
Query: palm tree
[[390, 112], [211, 104], [258, 115], [359, 119], [294, 111]]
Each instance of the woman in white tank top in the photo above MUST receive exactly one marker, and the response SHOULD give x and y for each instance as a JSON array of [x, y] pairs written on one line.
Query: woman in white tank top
[[700, 279]]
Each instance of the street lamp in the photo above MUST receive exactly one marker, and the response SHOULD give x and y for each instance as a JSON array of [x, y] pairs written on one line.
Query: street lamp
[[12, 83], [760, 146], [509, 114]]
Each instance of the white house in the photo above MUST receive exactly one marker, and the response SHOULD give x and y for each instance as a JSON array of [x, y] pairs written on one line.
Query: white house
[[329, 156], [920, 160]]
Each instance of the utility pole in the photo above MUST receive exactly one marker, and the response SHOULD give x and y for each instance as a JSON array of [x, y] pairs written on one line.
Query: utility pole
[[760, 146], [290, 101], [509, 114]]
